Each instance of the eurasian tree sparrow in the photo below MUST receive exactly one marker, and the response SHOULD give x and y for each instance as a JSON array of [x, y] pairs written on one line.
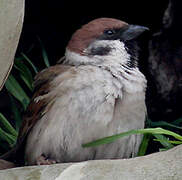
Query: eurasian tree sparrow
[[97, 92]]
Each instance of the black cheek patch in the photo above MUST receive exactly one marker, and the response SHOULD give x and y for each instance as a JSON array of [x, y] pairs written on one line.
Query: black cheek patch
[[101, 51]]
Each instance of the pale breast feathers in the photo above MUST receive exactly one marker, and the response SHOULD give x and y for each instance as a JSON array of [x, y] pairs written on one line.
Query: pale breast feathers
[[72, 93]]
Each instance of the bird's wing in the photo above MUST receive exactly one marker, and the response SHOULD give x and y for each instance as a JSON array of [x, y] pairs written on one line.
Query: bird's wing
[[33, 113], [42, 86], [72, 94]]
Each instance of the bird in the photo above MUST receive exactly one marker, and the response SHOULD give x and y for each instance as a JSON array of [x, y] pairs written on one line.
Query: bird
[[96, 91]]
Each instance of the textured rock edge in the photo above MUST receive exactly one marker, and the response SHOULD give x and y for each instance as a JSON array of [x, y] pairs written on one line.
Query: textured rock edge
[[158, 166], [11, 21]]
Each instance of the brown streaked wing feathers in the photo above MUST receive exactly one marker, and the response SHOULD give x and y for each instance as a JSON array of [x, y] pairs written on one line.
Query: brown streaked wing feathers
[[33, 113]]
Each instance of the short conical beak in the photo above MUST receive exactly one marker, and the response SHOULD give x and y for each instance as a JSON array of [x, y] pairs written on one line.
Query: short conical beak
[[133, 31]]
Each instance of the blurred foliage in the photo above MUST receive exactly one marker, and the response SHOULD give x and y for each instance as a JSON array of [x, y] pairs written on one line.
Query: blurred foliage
[[19, 86]]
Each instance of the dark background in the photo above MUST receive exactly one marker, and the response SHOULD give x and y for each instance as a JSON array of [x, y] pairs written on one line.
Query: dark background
[[55, 21]]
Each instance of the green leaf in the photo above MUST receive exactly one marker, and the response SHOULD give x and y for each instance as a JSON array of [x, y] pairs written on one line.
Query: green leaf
[[175, 142], [19, 58], [10, 139], [163, 149], [25, 74], [44, 54], [163, 123], [16, 113], [16, 90], [110, 139], [7, 126], [177, 121], [27, 82], [29, 61], [164, 141], [144, 145]]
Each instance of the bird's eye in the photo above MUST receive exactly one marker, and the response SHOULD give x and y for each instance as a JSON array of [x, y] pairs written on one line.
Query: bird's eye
[[109, 32]]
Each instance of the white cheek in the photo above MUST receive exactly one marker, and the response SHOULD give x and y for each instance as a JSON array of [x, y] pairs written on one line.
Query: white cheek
[[117, 55], [75, 58]]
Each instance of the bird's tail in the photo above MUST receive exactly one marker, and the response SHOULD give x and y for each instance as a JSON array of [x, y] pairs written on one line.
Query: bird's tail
[[10, 154], [15, 155]]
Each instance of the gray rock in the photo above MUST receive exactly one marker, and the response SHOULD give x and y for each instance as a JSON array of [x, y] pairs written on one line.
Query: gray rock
[[158, 166], [11, 21]]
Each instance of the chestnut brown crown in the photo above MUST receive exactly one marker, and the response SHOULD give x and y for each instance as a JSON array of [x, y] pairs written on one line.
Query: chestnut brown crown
[[91, 31]]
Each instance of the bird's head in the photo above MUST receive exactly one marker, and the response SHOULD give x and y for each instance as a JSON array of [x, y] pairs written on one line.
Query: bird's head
[[104, 42]]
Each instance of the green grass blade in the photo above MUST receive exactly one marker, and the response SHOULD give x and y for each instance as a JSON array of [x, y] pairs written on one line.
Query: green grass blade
[[163, 149], [163, 123], [11, 140], [29, 61], [19, 58], [23, 68], [16, 113], [25, 74], [177, 121], [44, 54], [110, 139], [144, 145], [164, 141], [27, 82], [7, 126], [167, 132], [175, 142], [16, 90]]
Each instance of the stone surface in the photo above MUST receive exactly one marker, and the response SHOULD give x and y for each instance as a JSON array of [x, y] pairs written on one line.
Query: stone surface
[[11, 21], [159, 166]]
